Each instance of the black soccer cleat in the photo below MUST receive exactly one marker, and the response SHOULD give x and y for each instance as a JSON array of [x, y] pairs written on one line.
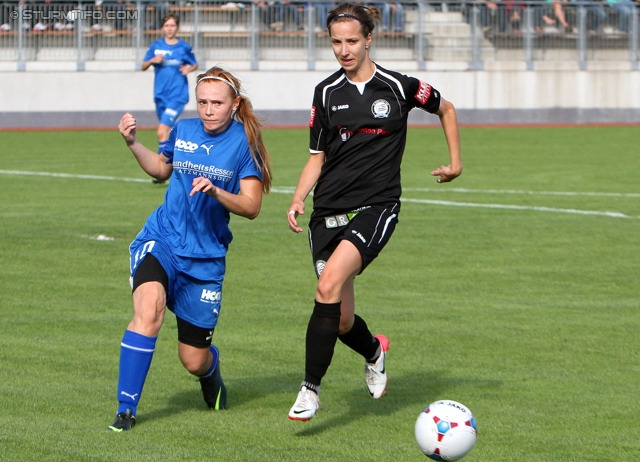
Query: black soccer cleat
[[124, 421], [214, 391]]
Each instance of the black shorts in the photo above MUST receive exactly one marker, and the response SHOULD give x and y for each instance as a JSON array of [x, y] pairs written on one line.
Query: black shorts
[[369, 229]]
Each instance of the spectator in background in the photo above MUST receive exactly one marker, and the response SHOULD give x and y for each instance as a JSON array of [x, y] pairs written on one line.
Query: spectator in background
[[322, 11], [172, 59], [508, 15], [554, 15], [624, 9], [595, 14], [391, 11], [278, 14]]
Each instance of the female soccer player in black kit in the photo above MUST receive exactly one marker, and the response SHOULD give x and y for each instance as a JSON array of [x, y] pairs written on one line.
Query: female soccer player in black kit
[[358, 130]]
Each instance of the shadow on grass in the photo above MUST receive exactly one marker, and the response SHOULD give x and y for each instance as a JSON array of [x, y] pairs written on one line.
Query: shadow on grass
[[414, 391], [240, 391]]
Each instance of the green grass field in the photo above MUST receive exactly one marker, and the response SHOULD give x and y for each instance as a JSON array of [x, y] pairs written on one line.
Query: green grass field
[[513, 290]]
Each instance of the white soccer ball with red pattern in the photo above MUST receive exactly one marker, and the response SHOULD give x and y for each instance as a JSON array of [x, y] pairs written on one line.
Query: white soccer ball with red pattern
[[446, 430]]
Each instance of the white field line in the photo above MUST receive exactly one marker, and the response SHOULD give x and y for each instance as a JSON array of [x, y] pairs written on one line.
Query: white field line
[[522, 192], [69, 175], [290, 190]]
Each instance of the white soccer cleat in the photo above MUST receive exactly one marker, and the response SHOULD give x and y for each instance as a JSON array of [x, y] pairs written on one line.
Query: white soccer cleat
[[306, 405], [375, 373]]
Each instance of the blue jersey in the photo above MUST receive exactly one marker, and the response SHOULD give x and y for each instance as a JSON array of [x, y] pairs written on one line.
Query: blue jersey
[[198, 226], [170, 86]]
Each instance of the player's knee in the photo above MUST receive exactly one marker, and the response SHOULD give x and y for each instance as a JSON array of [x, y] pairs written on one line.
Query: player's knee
[[194, 364], [328, 289]]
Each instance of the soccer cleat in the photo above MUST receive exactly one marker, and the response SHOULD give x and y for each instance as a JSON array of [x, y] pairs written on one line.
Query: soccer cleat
[[214, 391], [375, 373], [306, 405], [124, 421]]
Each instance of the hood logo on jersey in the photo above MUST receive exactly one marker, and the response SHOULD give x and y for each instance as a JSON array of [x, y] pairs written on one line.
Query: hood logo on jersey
[[211, 296], [187, 146], [312, 116], [423, 93], [380, 109], [345, 133], [339, 107], [206, 148]]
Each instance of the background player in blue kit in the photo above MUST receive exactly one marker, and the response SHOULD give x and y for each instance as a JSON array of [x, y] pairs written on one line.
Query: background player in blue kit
[[172, 59], [218, 166], [358, 131]]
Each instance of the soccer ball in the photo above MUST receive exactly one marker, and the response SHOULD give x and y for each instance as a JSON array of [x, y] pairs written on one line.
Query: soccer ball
[[446, 430]]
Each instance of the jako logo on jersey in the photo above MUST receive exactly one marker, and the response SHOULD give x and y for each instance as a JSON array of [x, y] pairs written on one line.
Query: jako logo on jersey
[[188, 146], [380, 109], [210, 296], [340, 107], [423, 93], [312, 116], [360, 236]]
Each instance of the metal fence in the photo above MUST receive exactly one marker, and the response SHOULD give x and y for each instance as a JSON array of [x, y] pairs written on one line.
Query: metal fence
[[292, 33]]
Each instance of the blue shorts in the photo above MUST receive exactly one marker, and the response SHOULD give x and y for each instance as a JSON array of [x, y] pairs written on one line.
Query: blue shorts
[[168, 114], [195, 284]]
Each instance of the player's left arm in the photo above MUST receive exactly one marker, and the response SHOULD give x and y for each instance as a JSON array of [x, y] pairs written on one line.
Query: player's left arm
[[190, 62], [449, 121], [246, 203], [187, 68]]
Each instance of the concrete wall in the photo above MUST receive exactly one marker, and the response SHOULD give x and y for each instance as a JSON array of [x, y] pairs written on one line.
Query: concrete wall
[[504, 94]]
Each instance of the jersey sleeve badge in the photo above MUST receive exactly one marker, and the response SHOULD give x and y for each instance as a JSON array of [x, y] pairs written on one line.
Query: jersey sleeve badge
[[423, 93], [312, 116]]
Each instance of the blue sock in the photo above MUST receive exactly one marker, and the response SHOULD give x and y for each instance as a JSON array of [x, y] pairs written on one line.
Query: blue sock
[[136, 353], [214, 363]]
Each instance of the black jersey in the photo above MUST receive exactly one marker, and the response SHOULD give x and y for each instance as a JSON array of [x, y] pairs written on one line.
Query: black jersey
[[362, 129]]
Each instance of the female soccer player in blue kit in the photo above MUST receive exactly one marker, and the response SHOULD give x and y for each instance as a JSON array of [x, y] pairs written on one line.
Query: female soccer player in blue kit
[[358, 131], [172, 59], [218, 165]]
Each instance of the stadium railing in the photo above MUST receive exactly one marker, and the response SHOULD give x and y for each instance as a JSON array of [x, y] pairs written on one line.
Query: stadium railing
[[455, 34]]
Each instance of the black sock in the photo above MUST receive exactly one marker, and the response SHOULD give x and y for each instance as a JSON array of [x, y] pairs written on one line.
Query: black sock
[[360, 340], [322, 334]]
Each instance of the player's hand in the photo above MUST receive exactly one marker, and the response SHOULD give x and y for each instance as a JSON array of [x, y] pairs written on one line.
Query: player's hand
[[127, 127], [296, 208], [201, 184], [446, 173]]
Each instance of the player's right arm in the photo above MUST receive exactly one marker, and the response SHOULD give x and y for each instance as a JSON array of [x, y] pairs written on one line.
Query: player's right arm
[[308, 179], [156, 59], [152, 163]]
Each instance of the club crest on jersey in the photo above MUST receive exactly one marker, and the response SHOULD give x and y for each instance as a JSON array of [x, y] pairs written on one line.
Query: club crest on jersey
[[320, 264], [380, 109]]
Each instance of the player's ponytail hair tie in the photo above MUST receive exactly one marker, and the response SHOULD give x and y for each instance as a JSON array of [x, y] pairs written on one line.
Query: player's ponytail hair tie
[[213, 77]]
